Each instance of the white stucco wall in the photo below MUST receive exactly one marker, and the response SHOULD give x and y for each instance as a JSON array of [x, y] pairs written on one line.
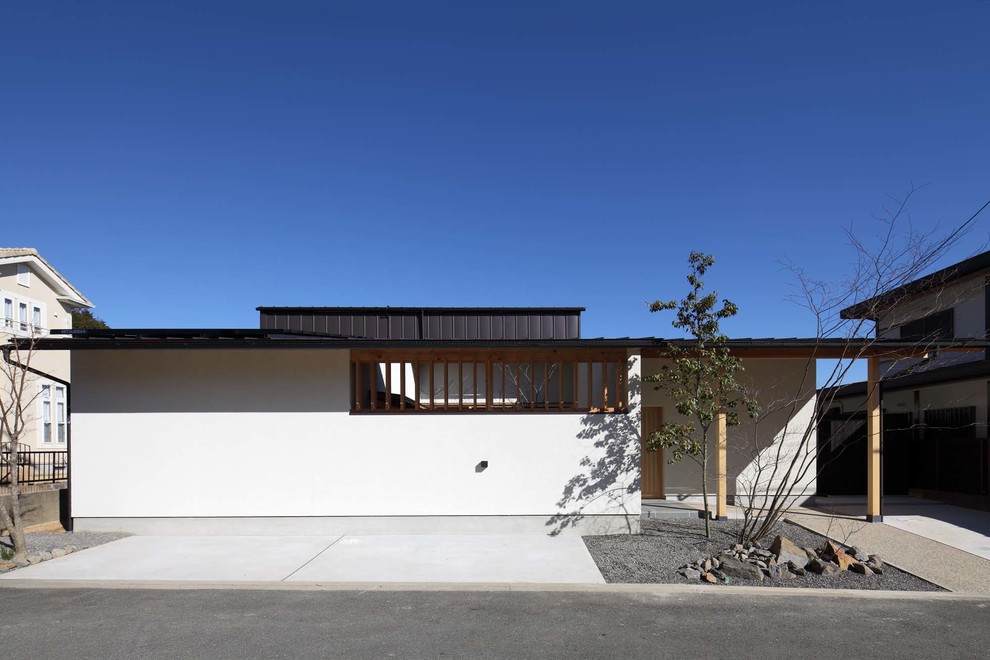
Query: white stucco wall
[[268, 433]]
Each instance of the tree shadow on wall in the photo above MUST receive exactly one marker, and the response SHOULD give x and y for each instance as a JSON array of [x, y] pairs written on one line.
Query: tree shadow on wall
[[611, 473]]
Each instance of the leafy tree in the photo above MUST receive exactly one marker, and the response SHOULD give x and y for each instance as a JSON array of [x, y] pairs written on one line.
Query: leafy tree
[[84, 319], [700, 378]]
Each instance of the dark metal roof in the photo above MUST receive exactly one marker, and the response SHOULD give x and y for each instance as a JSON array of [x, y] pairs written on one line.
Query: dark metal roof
[[386, 309], [436, 323], [157, 338], [868, 309]]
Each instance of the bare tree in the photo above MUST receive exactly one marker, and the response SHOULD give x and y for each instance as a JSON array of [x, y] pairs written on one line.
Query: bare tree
[[782, 469], [18, 393]]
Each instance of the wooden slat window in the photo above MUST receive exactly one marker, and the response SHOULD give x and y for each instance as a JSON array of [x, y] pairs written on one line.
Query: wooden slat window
[[572, 381]]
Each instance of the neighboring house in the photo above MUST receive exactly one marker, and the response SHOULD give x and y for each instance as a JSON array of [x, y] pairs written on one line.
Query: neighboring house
[[935, 412], [398, 419], [35, 299]]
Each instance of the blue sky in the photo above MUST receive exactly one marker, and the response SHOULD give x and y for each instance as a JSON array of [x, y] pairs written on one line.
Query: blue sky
[[184, 162]]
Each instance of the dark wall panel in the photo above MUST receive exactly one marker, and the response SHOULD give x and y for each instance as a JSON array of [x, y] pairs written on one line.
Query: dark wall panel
[[434, 324]]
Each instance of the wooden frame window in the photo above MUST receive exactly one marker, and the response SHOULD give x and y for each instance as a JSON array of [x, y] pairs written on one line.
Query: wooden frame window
[[472, 381]]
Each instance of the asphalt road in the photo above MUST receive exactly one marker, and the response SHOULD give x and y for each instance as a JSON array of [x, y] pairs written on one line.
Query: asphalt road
[[143, 623]]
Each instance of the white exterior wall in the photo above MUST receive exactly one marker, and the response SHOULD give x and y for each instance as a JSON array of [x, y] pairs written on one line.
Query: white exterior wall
[[231, 433], [785, 392]]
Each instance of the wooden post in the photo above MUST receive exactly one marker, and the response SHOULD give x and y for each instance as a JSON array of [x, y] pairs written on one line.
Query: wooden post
[[720, 468], [873, 457]]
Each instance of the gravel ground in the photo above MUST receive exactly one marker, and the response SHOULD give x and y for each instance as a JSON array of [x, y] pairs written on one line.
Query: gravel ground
[[663, 546], [46, 542]]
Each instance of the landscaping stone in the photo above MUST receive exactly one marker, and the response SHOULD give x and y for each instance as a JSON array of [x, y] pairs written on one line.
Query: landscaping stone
[[45, 556], [691, 573], [859, 553], [861, 568], [33, 559], [58, 552], [786, 551], [708, 577], [741, 570], [845, 561], [822, 567], [666, 548], [7, 565]]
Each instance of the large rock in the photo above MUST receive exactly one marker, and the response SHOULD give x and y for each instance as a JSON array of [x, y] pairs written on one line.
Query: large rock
[[786, 550], [33, 559], [822, 567], [844, 560], [740, 570], [58, 552], [7, 565], [691, 574]]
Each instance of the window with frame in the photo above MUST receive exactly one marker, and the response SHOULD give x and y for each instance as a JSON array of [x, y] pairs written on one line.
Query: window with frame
[[556, 381], [929, 328], [54, 424], [23, 316]]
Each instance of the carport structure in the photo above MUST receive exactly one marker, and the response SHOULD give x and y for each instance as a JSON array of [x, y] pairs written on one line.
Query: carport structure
[[873, 351]]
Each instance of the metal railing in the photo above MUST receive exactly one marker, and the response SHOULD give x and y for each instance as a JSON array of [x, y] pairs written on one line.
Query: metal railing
[[35, 467]]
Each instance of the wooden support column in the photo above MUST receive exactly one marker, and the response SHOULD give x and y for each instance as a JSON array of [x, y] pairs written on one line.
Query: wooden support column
[[874, 510], [721, 507]]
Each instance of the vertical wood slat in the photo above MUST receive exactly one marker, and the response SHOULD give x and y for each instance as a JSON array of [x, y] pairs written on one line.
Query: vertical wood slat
[[460, 385], [357, 387], [532, 384], [446, 381], [618, 392], [489, 395], [372, 386], [416, 384], [591, 385], [402, 386], [388, 386], [432, 387], [546, 386], [474, 382], [574, 393], [503, 383], [604, 386], [560, 386]]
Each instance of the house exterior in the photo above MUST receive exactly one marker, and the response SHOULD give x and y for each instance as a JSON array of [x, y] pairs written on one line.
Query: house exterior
[[35, 299], [402, 420], [935, 414]]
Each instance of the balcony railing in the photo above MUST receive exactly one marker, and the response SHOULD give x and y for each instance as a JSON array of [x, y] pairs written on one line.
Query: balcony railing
[[35, 467]]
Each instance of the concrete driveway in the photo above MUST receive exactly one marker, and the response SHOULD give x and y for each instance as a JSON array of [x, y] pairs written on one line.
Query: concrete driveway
[[488, 559]]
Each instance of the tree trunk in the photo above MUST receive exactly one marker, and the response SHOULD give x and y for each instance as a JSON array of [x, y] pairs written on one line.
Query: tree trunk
[[11, 518], [704, 497]]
